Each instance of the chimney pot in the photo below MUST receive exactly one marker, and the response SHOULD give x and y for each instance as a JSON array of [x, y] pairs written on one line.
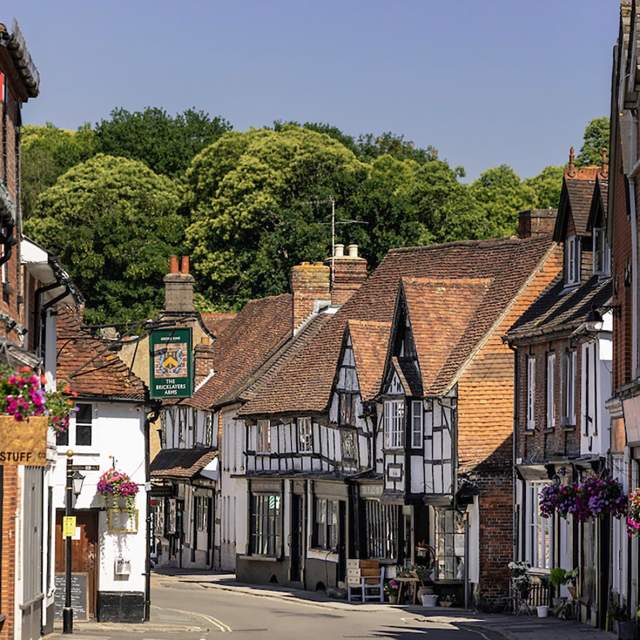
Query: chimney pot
[[185, 265], [173, 264], [352, 249], [338, 251]]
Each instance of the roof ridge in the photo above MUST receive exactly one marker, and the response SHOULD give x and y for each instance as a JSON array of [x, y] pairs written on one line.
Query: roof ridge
[[488, 243]]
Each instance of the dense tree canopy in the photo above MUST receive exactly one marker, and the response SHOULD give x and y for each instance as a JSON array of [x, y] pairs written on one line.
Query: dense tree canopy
[[165, 143], [595, 141], [113, 223]]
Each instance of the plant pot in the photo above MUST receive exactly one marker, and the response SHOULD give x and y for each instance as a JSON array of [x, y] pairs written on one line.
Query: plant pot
[[429, 600], [393, 598], [446, 604], [543, 611], [626, 630], [425, 591]]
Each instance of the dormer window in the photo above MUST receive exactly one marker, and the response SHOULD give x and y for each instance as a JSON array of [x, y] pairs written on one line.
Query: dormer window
[[572, 261], [600, 252]]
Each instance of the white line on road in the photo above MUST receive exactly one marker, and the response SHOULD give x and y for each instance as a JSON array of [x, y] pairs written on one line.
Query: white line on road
[[224, 628]]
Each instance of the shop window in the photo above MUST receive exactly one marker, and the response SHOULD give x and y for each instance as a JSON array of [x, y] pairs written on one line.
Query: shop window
[[266, 524], [382, 522], [326, 524], [449, 545]]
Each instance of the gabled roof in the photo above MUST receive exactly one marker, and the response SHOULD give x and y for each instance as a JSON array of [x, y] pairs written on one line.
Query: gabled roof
[[216, 323], [408, 375], [442, 313], [90, 368], [181, 463], [248, 341], [559, 311], [598, 210], [369, 340], [304, 383], [578, 184]]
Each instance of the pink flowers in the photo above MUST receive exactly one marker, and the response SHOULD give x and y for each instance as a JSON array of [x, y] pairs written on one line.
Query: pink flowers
[[22, 395], [633, 513], [114, 484]]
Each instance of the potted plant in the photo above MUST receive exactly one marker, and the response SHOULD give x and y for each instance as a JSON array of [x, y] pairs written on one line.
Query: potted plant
[[424, 576], [391, 590], [625, 628], [116, 487], [557, 577], [447, 601], [520, 578]]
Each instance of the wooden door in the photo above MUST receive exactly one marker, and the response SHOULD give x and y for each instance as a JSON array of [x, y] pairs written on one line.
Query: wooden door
[[297, 537], [84, 554]]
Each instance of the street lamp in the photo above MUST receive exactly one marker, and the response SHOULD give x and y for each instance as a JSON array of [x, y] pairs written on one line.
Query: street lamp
[[77, 480]]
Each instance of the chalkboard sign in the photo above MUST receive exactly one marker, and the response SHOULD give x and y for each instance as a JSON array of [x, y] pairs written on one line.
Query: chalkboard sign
[[79, 596]]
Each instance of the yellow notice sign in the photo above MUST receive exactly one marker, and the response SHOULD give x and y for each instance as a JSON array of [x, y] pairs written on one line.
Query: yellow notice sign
[[25, 442], [68, 526]]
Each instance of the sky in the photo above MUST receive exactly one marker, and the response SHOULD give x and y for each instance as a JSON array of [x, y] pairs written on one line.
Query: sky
[[484, 81]]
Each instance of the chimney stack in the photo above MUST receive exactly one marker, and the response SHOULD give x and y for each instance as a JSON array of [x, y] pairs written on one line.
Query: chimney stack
[[178, 287], [536, 222], [309, 286], [349, 272], [204, 360]]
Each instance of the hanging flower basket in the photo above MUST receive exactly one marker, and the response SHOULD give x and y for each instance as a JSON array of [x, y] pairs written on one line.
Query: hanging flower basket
[[591, 498], [117, 489], [633, 513], [22, 395]]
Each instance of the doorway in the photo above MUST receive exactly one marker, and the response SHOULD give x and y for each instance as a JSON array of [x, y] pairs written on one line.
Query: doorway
[[84, 564], [297, 537]]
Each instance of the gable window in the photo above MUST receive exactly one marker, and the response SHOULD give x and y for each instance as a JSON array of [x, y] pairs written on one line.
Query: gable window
[[531, 393], [417, 424], [569, 388], [394, 423], [305, 435], [550, 397], [572, 260], [263, 444], [266, 524], [600, 252], [347, 409], [326, 524]]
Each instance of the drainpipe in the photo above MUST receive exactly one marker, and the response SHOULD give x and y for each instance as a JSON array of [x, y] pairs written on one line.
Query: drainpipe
[[148, 419], [37, 311]]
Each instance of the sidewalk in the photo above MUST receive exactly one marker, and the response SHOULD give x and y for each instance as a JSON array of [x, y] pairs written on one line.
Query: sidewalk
[[488, 626]]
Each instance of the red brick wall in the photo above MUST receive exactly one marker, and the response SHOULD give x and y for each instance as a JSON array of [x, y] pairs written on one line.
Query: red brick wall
[[621, 266], [9, 505], [309, 282]]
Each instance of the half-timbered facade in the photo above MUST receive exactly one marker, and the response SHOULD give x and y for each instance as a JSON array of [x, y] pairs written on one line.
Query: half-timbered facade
[[563, 380]]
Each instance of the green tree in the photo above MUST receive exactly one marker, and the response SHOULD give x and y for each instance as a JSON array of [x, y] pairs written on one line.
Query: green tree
[[48, 152], [547, 186], [501, 194], [256, 203], [165, 143], [595, 140], [113, 222]]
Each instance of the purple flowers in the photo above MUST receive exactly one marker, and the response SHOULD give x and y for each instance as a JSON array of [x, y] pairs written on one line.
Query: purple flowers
[[583, 500], [114, 483]]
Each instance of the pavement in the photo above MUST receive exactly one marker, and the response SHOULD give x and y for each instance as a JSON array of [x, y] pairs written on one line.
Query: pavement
[[188, 605]]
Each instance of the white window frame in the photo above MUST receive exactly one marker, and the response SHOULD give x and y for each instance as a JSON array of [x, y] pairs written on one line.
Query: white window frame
[[305, 435], [569, 388], [531, 393], [263, 436], [539, 536], [417, 424], [394, 424], [572, 261], [600, 252], [551, 379]]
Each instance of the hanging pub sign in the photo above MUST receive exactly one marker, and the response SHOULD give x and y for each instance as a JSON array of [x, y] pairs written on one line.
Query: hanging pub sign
[[170, 359], [23, 442]]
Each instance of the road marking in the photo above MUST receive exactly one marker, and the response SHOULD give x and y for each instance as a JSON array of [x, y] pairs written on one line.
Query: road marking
[[224, 628]]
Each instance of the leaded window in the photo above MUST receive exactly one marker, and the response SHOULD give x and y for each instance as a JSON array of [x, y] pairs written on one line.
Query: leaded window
[[266, 524], [305, 435]]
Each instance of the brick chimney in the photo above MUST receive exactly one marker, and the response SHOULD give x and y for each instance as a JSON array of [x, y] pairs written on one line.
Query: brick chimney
[[350, 271], [203, 360], [536, 222], [178, 287], [309, 286]]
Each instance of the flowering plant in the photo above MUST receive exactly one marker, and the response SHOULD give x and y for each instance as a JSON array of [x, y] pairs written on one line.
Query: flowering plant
[[557, 497], [633, 513], [391, 587], [114, 483], [520, 576], [22, 394]]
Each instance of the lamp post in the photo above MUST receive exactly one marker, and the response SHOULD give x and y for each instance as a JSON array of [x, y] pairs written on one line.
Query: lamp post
[[73, 488]]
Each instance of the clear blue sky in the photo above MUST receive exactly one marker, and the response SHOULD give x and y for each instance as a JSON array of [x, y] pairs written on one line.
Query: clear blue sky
[[484, 81]]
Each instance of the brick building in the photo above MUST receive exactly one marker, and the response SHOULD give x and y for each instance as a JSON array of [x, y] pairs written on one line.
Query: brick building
[[562, 347]]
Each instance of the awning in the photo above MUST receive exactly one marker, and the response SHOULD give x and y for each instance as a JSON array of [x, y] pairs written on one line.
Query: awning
[[182, 464]]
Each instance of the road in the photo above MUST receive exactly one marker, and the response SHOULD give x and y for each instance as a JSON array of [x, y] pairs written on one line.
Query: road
[[185, 611]]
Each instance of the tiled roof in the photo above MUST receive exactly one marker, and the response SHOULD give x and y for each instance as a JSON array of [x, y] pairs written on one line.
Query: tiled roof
[[442, 313], [575, 200], [251, 338], [598, 209], [304, 383], [369, 340], [216, 323], [181, 463], [558, 311], [86, 363]]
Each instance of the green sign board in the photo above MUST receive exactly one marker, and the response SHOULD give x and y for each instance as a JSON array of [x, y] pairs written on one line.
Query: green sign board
[[171, 366]]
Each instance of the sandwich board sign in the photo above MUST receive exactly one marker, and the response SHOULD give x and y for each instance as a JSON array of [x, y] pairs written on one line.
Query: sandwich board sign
[[171, 365]]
